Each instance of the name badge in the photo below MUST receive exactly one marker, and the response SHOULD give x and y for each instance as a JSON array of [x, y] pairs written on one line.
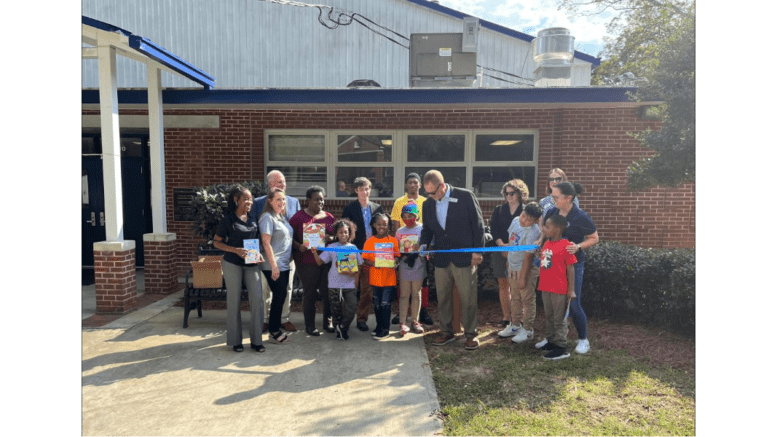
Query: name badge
[[453, 200]]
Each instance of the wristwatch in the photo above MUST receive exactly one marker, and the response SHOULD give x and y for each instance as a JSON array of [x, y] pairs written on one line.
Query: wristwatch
[[579, 247]]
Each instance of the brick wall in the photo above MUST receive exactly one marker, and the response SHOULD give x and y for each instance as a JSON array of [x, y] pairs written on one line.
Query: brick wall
[[591, 145]]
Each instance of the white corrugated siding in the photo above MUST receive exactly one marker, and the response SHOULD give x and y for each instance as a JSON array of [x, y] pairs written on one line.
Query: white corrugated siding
[[256, 44]]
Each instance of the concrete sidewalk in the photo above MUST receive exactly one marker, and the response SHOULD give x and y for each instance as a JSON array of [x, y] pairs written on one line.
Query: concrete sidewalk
[[145, 375]]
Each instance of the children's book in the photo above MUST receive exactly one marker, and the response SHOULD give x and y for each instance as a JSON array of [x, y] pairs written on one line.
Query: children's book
[[406, 242], [313, 235], [254, 255], [346, 262], [384, 259]]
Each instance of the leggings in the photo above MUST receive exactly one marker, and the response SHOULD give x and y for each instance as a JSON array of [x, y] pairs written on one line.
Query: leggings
[[278, 289], [575, 309]]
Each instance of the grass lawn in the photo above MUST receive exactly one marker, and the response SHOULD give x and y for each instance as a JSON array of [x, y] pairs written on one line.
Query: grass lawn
[[508, 389]]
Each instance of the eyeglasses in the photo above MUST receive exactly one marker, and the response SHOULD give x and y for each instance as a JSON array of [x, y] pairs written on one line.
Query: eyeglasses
[[554, 179], [510, 193]]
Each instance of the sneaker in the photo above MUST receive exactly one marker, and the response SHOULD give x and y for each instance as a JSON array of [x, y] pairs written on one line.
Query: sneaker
[[582, 346], [404, 329], [344, 333], [417, 328], [339, 332], [541, 344], [443, 339], [523, 335], [381, 335], [558, 353], [362, 326], [472, 343], [509, 331]]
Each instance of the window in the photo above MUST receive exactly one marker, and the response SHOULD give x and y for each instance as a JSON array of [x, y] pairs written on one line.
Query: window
[[479, 160]]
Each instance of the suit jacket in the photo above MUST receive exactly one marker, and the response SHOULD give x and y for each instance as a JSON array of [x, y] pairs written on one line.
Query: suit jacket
[[464, 228], [353, 212]]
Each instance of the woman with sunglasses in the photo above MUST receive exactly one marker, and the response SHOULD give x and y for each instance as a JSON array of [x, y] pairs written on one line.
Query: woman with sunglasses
[[555, 177], [515, 193]]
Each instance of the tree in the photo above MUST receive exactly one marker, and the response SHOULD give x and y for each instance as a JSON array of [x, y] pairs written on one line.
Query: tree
[[656, 39]]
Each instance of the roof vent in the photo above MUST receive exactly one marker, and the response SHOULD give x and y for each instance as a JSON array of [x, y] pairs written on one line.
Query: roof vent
[[554, 52]]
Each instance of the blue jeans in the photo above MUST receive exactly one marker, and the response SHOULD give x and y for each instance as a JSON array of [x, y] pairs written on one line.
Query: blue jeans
[[381, 302], [575, 309]]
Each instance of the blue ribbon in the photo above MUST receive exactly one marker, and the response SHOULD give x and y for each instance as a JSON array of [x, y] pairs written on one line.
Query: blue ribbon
[[465, 250]]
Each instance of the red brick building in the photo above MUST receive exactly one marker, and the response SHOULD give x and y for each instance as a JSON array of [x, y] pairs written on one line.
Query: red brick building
[[320, 136]]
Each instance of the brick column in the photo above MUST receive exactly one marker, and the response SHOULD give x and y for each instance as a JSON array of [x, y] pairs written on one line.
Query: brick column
[[160, 263], [114, 277]]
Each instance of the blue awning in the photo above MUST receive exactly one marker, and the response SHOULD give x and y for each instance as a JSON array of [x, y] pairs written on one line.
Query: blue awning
[[157, 53]]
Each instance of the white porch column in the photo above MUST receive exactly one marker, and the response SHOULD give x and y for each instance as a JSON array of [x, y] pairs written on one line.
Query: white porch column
[[157, 145], [111, 154]]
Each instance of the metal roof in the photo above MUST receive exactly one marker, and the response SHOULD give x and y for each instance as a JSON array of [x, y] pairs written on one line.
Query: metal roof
[[153, 51]]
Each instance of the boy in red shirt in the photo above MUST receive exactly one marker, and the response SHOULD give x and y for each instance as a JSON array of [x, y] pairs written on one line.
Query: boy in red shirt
[[557, 284]]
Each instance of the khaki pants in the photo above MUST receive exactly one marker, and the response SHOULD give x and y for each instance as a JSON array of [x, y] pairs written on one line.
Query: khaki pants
[[409, 296], [465, 279], [365, 296], [555, 308], [523, 301]]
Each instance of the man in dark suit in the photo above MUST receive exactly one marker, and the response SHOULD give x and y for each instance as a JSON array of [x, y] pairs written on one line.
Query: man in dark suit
[[360, 212], [452, 217]]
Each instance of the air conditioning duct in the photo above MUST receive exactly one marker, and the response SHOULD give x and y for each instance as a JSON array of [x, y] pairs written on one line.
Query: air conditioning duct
[[554, 51]]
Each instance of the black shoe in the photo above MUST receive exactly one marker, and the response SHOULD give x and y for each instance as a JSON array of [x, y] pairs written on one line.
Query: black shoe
[[558, 353], [344, 333], [381, 335], [548, 347], [425, 318], [238, 348], [362, 326], [313, 331], [258, 347], [395, 320]]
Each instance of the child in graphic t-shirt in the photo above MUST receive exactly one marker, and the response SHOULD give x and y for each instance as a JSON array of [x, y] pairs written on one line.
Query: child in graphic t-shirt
[[522, 275], [382, 279], [557, 284], [342, 281], [412, 271]]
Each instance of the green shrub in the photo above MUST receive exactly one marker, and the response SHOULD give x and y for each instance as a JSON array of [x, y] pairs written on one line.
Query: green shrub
[[209, 205], [652, 287]]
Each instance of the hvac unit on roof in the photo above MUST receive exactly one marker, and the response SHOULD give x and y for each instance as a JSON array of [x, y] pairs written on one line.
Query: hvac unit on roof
[[445, 59], [554, 52]]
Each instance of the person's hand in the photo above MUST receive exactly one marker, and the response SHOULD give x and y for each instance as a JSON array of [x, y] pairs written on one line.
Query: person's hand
[[242, 253], [573, 248], [276, 273], [521, 281], [571, 295], [477, 258], [512, 274], [303, 248]]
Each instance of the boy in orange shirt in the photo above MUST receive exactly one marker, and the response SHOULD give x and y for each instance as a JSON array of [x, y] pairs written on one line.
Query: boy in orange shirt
[[382, 279]]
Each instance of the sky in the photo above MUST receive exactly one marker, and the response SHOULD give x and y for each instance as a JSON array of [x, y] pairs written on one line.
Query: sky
[[531, 16]]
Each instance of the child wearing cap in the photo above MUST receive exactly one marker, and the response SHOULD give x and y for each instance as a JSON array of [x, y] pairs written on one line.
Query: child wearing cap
[[412, 270]]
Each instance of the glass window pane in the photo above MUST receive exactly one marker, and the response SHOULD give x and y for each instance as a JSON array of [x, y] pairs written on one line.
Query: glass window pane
[[488, 181], [435, 148], [364, 148], [382, 179], [504, 147], [131, 146], [299, 179], [297, 148], [455, 176]]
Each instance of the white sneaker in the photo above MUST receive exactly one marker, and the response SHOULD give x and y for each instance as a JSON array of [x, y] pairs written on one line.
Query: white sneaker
[[510, 331], [582, 346], [523, 335], [541, 344]]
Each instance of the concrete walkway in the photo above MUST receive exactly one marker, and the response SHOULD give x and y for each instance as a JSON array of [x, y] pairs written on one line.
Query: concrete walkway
[[145, 375]]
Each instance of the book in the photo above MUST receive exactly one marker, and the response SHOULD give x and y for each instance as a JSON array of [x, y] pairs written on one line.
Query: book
[[313, 235], [346, 262], [254, 254], [384, 259], [406, 242]]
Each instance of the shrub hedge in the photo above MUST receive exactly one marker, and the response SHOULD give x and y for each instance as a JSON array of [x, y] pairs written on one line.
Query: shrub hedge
[[209, 205], [652, 287]]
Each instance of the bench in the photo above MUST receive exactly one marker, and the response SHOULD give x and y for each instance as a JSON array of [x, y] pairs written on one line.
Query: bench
[[193, 297]]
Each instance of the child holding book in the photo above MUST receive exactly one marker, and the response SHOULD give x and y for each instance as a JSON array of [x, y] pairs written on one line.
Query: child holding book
[[383, 271], [342, 276], [522, 274], [412, 271], [557, 284]]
